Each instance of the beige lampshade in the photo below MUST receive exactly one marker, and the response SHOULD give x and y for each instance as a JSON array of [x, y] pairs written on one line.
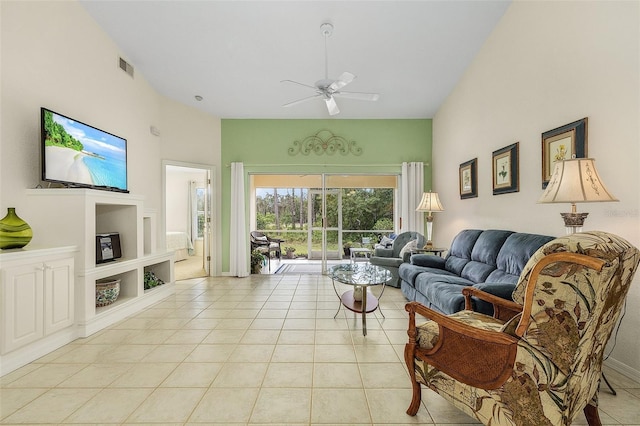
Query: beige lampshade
[[430, 203], [575, 181]]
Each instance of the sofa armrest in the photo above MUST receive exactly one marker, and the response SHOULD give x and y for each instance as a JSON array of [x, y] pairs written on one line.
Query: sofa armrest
[[383, 252], [428, 260]]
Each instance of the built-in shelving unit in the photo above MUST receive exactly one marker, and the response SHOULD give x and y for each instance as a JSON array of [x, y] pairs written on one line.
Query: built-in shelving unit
[[74, 217]]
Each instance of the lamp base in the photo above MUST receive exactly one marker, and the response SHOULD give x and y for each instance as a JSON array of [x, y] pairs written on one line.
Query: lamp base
[[573, 221], [429, 245]]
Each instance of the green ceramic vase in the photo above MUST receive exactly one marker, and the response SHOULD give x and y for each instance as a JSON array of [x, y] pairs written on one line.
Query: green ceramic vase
[[14, 232]]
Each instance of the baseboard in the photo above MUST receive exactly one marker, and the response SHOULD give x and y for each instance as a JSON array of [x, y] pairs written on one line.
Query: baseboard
[[624, 369], [22, 356]]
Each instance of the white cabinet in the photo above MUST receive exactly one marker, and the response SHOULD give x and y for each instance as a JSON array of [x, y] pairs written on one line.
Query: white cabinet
[[36, 295], [59, 283]]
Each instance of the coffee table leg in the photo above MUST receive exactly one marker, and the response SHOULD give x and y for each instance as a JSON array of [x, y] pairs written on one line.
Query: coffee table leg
[[364, 310], [339, 298]]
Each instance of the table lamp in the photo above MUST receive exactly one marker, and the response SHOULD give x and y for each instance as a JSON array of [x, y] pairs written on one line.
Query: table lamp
[[575, 181], [430, 203]]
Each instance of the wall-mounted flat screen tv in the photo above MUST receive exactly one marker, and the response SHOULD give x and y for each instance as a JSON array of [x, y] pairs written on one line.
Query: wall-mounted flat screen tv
[[75, 154]]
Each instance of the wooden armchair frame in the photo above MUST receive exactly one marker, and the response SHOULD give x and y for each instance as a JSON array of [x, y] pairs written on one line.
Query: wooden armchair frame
[[493, 352]]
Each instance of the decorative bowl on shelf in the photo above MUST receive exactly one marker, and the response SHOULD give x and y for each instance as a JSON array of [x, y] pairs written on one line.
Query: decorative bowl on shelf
[[107, 291]]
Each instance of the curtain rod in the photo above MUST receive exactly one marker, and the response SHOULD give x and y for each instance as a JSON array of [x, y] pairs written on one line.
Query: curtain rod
[[321, 165]]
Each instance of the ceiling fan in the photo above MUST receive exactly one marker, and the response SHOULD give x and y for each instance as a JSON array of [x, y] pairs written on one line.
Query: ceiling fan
[[327, 88]]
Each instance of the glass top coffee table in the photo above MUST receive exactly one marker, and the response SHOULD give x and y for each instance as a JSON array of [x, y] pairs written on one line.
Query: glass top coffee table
[[361, 276]]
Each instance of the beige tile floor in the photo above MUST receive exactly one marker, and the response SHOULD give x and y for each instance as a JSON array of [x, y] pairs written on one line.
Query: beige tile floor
[[260, 350]]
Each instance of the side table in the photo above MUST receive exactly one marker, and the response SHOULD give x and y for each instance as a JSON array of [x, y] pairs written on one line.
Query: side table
[[434, 250], [357, 253]]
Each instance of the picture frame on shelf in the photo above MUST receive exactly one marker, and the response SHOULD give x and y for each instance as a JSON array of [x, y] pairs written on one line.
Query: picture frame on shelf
[[506, 170], [468, 175], [563, 143]]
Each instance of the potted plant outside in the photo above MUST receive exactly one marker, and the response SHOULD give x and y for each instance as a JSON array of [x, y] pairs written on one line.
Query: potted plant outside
[[258, 260], [289, 252], [345, 248]]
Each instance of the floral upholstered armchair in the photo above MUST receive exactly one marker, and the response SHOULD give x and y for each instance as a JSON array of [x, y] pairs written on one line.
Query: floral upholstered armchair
[[538, 360]]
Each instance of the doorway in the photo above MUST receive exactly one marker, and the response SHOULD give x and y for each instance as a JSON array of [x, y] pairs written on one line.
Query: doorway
[[187, 217]]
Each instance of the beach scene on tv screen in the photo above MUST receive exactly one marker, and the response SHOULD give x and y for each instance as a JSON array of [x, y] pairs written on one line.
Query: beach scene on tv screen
[[79, 154]]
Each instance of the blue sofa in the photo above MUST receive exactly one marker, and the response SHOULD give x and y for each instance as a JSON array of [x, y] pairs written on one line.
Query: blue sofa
[[490, 260]]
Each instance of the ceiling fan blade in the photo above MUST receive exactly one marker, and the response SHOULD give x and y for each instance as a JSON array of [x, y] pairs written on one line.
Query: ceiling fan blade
[[359, 96], [300, 84], [332, 106], [299, 101], [344, 79]]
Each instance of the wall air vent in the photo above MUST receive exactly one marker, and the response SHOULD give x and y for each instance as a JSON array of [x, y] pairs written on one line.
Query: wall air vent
[[126, 67]]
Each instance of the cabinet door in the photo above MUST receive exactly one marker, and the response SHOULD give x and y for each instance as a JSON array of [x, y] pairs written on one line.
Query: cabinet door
[[58, 295], [22, 302]]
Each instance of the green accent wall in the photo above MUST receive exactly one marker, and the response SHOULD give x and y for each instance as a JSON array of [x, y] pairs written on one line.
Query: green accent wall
[[262, 145]]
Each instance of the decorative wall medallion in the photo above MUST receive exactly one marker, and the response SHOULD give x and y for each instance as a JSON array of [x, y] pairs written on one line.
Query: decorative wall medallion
[[325, 142]]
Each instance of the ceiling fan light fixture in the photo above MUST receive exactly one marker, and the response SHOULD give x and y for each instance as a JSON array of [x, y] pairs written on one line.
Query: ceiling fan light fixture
[[326, 29], [326, 88]]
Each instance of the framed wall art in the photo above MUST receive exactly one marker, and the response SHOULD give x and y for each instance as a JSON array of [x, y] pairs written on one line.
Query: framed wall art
[[563, 143], [506, 169], [469, 179]]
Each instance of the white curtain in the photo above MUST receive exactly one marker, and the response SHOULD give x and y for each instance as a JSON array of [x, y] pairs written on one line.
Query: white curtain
[[192, 219], [412, 189], [239, 265]]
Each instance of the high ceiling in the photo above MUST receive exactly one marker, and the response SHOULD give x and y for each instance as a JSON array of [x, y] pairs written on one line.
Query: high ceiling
[[235, 53]]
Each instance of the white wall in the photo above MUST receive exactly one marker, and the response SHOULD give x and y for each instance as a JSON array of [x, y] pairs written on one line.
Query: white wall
[[191, 136], [72, 68], [547, 64], [55, 55]]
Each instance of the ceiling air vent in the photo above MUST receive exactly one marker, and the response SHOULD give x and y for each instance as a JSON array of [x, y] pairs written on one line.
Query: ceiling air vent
[[126, 67]]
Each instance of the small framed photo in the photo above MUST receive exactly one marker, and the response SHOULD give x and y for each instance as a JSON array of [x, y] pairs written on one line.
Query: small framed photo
[[506, 169], [106, 248], [469, 179], [563, 143]]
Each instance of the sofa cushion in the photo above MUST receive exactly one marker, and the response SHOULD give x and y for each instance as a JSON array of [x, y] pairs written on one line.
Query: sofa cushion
[[445, 294], [443, 289], [484, 255], [408, 272], [386, 261], [460, 252], [514, 254]]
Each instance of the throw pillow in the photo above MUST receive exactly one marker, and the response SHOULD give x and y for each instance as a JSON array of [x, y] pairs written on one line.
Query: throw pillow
[[386, 242], [411, 245], [263, 238]]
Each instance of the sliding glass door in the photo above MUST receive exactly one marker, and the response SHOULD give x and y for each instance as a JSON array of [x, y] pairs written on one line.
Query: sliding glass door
[[342, 211]]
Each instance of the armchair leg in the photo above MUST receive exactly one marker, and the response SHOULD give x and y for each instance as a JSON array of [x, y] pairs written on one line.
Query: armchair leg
[[591, 413], [417, 390]]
